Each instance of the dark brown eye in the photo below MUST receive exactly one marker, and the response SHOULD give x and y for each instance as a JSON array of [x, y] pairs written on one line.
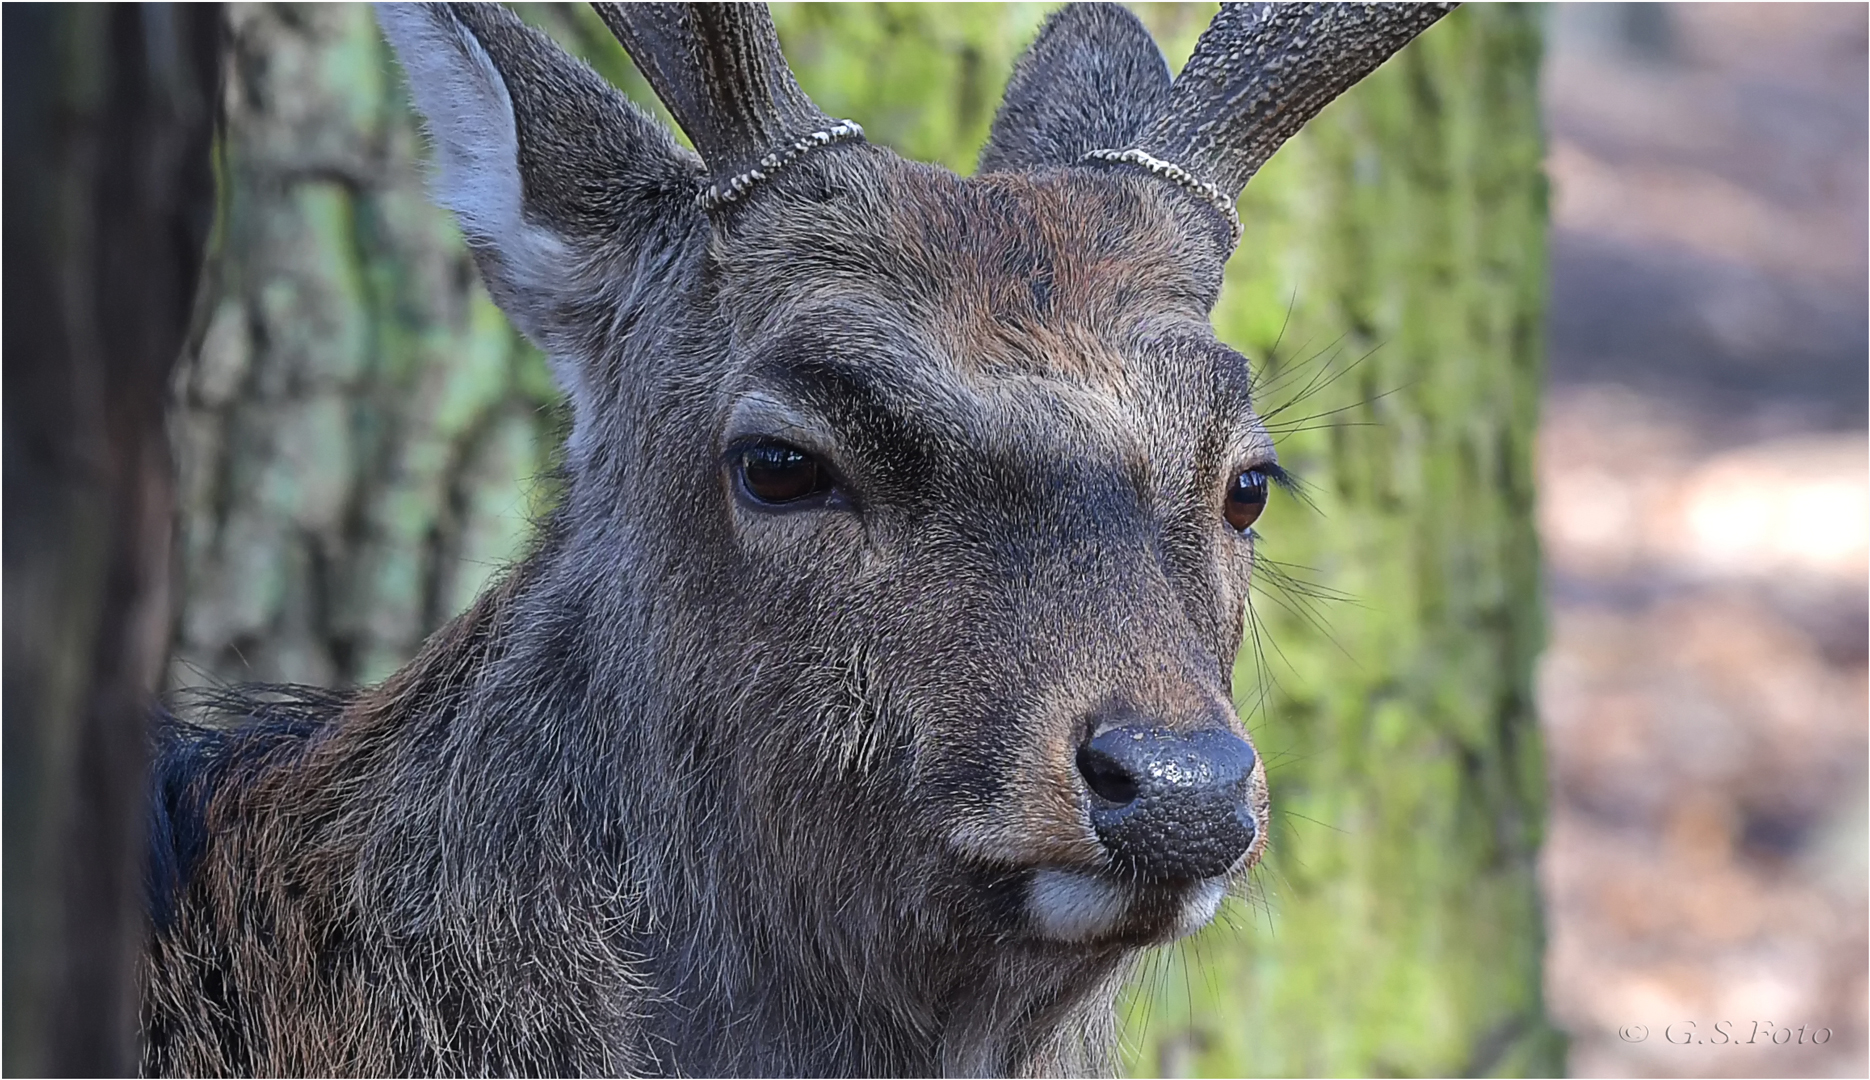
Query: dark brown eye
[[1246, 497], [775, 473]]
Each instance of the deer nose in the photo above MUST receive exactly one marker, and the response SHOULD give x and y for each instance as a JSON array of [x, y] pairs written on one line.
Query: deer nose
[[1169, 805]]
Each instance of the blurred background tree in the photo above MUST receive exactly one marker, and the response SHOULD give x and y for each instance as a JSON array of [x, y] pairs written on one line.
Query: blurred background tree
[[109, 195], [363, 442]]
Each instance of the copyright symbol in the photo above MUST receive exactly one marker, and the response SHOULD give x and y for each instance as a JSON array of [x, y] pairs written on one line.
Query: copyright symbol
[[1633, 1033]]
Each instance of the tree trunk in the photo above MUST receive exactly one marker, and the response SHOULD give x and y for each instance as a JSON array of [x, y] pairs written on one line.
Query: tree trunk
[[109, 194], [362, 437], [1393, 268], [362, 434]]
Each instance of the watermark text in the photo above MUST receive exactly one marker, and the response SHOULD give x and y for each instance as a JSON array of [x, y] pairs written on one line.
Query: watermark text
[[1729, 1033]]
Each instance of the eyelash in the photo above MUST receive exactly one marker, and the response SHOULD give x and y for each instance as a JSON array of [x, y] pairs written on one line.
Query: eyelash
[[1281, 479]]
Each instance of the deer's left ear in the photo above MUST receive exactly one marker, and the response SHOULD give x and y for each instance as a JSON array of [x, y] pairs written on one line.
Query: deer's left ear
[[1093, 79]]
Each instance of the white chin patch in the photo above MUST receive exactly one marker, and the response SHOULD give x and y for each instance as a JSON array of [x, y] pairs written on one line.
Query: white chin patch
[[1068, 906], [1202, 902]]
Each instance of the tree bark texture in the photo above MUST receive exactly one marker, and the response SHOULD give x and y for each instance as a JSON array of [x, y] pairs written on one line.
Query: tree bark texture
[[363, 441], [362, 438], [108, 198], [1391, 286]]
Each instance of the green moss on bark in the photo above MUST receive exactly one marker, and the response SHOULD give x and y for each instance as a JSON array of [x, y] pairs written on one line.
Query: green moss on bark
[[1390, 287], [360, 434]]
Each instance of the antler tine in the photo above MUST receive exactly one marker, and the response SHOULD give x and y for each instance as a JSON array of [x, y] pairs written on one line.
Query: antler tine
[[719, 69], [1260, 71]]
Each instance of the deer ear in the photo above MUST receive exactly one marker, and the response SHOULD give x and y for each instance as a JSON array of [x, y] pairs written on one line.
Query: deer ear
[[559, 183], [1093, 79]]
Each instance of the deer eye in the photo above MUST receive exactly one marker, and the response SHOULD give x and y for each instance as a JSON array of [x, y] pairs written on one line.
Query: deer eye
[[774, 473], [1246, 497]]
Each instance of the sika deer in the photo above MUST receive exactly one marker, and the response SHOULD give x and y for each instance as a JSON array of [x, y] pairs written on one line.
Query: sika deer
[[864, 708]]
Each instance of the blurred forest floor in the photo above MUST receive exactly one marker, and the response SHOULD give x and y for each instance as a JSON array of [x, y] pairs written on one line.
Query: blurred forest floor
[[1703, 509]]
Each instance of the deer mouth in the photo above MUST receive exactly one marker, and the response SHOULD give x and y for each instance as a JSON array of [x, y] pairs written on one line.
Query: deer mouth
[[1077, 906], [1175, 814]]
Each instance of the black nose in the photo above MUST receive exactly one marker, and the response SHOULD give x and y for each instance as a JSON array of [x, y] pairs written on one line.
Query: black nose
[[1170, 805]]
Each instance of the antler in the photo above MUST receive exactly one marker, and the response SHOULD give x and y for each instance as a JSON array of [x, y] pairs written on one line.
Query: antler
[[719, 69], [1260, 71]]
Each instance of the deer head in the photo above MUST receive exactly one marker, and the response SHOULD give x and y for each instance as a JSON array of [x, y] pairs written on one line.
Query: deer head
[[895, 592]]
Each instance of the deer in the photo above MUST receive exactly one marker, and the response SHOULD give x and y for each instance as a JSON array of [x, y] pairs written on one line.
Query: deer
[[864, 706]]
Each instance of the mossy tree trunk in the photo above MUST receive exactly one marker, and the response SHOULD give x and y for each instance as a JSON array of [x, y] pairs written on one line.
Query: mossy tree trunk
[[363, 436], [1391, 286]]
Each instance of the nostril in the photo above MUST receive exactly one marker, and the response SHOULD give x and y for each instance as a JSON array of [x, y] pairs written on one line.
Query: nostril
[[1170, 805], [1107, 777]]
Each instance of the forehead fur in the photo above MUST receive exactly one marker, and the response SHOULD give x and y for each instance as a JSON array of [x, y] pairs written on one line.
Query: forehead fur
[[1048, 273]]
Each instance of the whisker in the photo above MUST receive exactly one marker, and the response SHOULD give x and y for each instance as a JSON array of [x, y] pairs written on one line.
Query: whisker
[[1277, 651], [1263, 678], [1293, 427], [1282, 374], [1291, 302], [1188, 989], [1283, 572], [1301, 609], [1340, 410], [1284, 758], [1315, 821], [1316, 385], [1265, 904]]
